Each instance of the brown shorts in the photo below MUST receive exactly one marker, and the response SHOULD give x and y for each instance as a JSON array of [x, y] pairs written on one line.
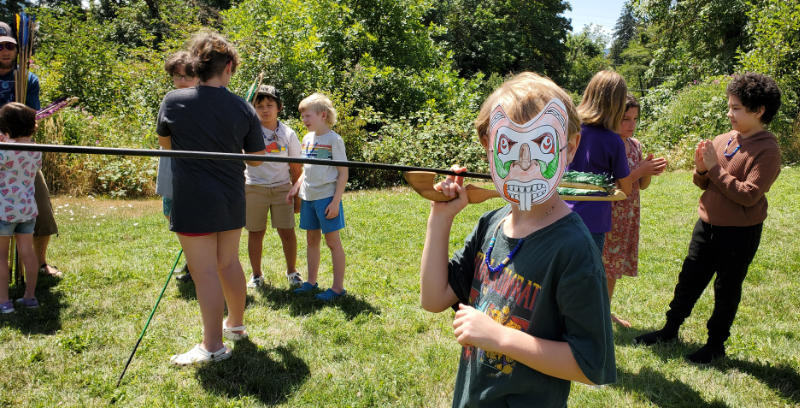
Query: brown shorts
[[263, 200], [45, 221]]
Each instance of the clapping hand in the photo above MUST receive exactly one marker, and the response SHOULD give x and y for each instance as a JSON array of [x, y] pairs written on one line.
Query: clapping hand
[[653, 166]]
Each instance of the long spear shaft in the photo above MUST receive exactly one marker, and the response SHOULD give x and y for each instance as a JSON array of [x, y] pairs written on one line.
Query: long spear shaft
[[169, 277], [225, 156]]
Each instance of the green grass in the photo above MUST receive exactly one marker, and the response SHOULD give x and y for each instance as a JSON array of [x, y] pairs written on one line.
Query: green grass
[[377, 347]]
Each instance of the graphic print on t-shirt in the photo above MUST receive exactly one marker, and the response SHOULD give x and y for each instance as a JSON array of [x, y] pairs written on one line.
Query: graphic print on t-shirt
[[272, 144], [317, 151], [508, 298]]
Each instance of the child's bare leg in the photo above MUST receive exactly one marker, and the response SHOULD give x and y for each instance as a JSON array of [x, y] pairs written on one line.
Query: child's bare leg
[[254, 250], [231, 275], [337, 258], [201, 255], [314, 237], [29, 260], [289, 243], [5, 242], [612, 282]]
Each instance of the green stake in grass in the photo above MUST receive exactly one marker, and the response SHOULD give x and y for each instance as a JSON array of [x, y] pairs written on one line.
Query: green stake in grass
[[169, 277]]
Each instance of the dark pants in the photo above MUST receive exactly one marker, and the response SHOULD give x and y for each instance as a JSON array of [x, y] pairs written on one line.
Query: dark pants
[[726, 251]]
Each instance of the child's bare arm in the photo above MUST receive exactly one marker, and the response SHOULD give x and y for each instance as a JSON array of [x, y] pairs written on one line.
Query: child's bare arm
[[332, 211], [295, 188], [256, 162], [436, 294], [553, 358]]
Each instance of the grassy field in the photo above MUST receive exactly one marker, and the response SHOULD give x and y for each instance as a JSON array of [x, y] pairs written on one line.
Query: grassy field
[[376, 347]]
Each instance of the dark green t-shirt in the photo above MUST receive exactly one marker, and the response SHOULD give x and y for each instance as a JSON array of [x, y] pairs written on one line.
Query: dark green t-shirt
[[554, 288]]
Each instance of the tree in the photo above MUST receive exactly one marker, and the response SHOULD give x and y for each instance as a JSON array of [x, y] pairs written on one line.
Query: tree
[[624, 32], [11, 8], [774, 29], [585, 57], [695, 38], [504, 36]]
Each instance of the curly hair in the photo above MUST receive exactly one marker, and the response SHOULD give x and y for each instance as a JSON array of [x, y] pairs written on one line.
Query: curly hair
[[180, 59], [754, 91], [211, 53]]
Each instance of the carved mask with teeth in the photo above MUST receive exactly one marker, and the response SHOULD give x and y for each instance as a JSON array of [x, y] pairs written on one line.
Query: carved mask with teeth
[[527, 161]]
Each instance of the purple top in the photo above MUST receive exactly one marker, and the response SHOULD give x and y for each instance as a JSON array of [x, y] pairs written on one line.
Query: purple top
[[600, 151]]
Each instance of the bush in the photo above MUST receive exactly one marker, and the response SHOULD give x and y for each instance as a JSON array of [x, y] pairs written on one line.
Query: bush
[[674, 121], [426, 139], [80, 174]]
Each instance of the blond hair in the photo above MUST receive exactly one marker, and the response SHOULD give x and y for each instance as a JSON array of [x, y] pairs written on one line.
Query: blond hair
[[603, 102], [522, 98], [318, 102]]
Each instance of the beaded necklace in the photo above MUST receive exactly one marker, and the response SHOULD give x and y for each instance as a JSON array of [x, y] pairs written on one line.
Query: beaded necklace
[[501, 265], [729, 155]]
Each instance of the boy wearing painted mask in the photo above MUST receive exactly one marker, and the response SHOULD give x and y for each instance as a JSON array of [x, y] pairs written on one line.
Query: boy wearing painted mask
[[528, 287]]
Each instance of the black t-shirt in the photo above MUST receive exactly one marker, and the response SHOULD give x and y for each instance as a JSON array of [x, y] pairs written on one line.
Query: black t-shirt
[[208, 195], [554, 288]]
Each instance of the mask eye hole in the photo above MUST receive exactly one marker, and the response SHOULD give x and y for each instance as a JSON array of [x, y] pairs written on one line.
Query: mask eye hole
[[504, 144], [546, 143]]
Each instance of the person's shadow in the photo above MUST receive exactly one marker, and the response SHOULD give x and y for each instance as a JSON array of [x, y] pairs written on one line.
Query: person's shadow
[[186, 290], [662, 391], [306, 303], [46, 319], [271, 375], [781, 377]]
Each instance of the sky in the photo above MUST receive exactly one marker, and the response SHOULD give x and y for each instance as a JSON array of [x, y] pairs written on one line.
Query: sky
[[601, 12]]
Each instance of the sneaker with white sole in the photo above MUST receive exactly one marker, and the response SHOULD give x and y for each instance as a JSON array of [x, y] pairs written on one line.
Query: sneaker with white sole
[[294, 279], [256, 282], [7, 307]]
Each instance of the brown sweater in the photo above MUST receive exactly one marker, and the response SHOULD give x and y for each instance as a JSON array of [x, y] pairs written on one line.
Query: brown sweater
[[734, 189]]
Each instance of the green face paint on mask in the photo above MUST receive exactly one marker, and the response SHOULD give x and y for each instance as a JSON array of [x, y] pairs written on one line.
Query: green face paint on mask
[[550, 171], [502, 168]]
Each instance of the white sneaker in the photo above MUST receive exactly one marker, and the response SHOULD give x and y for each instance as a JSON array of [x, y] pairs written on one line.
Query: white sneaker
[[294, 279], [256, 282]]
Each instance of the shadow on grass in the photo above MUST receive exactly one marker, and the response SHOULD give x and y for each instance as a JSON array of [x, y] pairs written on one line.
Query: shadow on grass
[[304, 304], [186, 290], [782, 378], [46, 319], [662, 391], [269, 375]]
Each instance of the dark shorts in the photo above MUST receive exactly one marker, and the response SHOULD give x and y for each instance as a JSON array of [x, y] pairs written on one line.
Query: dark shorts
[[45, 221]]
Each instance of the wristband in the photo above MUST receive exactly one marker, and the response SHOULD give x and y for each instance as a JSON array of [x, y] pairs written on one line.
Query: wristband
[[701, 173]]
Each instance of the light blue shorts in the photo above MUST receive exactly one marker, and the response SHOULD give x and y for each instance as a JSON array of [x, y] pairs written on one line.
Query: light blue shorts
[[8, 229], [312, 216]]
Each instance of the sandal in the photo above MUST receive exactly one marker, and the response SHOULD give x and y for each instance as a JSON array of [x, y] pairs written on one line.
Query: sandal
[[199, 355], [230, 333], [330, 295], [44, 270], [295, 280]]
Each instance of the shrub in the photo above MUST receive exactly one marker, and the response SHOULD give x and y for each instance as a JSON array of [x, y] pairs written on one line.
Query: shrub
[[79, 174], [674, 121]]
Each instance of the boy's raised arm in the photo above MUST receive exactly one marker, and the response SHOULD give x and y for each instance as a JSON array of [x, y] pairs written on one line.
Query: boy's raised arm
[[436, 294]]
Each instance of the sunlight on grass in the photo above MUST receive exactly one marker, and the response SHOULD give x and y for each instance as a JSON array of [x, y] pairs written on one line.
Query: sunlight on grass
[[376, 347]]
